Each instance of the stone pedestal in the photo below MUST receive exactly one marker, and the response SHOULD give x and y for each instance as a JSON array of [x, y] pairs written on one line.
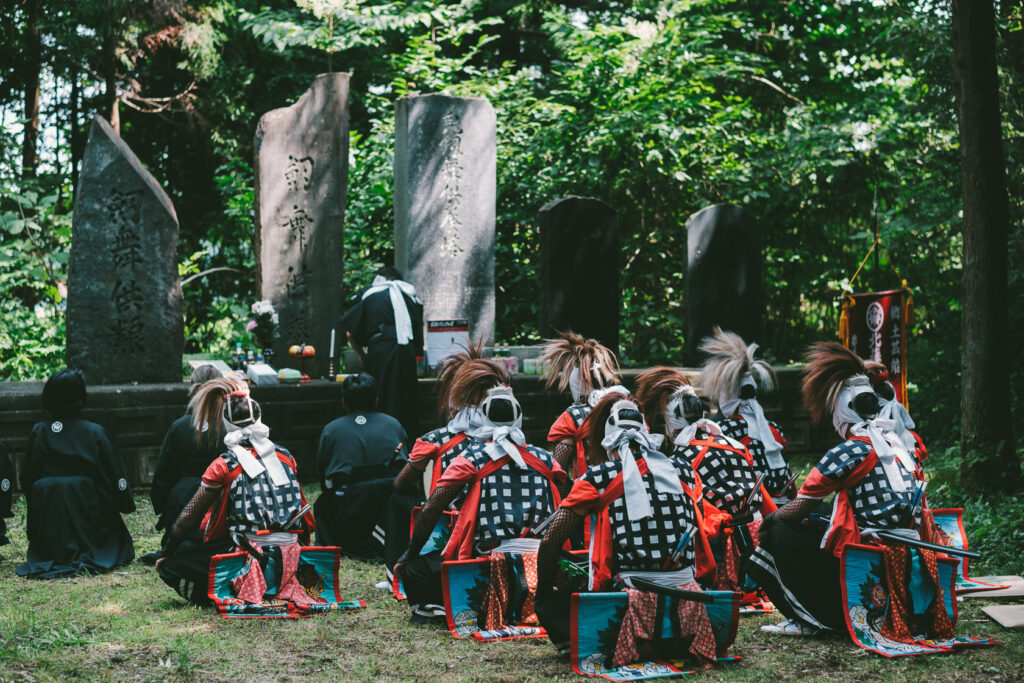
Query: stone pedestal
[[579, 269], [444, 206], [301, 183], [124, 316], [723, 276]]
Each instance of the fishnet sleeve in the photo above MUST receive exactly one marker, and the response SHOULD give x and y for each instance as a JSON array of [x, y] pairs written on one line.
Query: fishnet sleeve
[[438, 502], [406, 480], [565, 454], [796, 510], [193, 512], [562, 526]]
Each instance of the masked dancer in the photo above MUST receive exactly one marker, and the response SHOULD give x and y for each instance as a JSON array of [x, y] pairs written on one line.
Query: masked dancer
[[509, 487], [872, 475], [650, 525], [587, 370], [726, 469], [732, 378], [250, 498]]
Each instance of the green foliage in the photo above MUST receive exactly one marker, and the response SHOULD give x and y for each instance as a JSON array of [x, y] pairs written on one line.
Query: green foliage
[[992, 522], [815, 117], [33, 275]]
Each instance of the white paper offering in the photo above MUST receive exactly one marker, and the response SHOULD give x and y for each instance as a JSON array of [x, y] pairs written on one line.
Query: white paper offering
[[444, 338]]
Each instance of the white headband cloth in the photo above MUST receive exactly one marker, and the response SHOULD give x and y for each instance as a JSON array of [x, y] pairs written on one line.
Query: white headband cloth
[[257, 435], [395, 288], [504, 438]]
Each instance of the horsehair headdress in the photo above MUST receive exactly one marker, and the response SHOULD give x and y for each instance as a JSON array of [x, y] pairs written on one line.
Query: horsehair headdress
[[596, 363], [474, 377], [654, 388], [730, 358], [829, 364], [449, 369], [596, 422], [217, 399]]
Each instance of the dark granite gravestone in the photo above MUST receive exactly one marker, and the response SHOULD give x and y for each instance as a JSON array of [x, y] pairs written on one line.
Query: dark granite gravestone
[[124, 317], [301, 181], [445, 169], [579, 269], [723, 276]]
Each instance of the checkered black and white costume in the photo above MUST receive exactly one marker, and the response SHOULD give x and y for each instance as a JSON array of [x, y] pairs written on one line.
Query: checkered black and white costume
[[511, 499], [255, 504], [569, 425], [875, 503], [736, 428], [726, 475], [645, 545]]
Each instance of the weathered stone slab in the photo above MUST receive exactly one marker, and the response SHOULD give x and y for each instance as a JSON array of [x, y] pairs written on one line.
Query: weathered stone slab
[[124, 317], [579, 269], [301, 183], [445, 170], [723, 276]]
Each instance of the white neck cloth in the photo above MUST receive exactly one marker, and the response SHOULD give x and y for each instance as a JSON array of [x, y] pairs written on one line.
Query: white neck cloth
[[504, 439], [884, 441], [395, 288], [894, 410], [256, 434], [757, 425], [666, 477]]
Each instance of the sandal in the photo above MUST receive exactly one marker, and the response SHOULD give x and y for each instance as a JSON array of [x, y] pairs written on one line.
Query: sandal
[[790, 627]]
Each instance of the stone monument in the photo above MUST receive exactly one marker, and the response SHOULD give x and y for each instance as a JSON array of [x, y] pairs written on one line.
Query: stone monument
[[301, 182], [445, 170], [723, 276], [579, 269], [124, 316]]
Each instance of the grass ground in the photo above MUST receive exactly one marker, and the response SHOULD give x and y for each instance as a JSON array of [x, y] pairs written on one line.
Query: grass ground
[[127, 625]]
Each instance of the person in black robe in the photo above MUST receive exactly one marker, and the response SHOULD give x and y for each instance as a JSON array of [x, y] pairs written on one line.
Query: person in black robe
[[183, 459], [357, 459], [76, 489], [6, 492], [386, 319]]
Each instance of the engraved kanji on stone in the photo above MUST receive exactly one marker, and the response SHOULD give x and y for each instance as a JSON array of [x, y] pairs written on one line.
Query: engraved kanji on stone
[[127, 295], [127, 333], [298, 173], [296, 223], [451, 222]]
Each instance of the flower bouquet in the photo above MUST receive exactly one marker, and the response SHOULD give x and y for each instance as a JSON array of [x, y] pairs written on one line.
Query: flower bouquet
[[263, 327]]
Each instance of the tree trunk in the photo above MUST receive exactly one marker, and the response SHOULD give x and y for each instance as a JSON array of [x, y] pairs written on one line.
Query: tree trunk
[[33, 64], [110, 78], [74, 134], [989, 461]]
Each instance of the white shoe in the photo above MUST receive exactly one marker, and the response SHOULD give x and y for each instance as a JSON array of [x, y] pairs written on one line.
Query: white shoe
[[383, 585], [790, 627]]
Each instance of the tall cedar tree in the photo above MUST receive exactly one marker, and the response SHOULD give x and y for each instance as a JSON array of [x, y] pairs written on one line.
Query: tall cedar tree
[[989, 460]]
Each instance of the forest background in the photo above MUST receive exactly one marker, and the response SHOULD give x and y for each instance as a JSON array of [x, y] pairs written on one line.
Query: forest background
[[820, 118]]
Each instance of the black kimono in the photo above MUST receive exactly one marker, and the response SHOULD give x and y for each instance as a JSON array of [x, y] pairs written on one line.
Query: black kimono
[[371, 321], [6, 492], [76, 488], [179, 469], [357, 460]]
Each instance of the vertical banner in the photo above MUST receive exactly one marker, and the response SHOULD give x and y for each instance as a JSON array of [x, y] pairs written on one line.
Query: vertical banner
[[878, 332]]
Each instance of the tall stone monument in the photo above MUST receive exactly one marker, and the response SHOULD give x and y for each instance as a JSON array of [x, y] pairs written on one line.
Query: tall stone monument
[[301, 182], [723, 276], [124, 317], [445, 170], [579, 269]]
